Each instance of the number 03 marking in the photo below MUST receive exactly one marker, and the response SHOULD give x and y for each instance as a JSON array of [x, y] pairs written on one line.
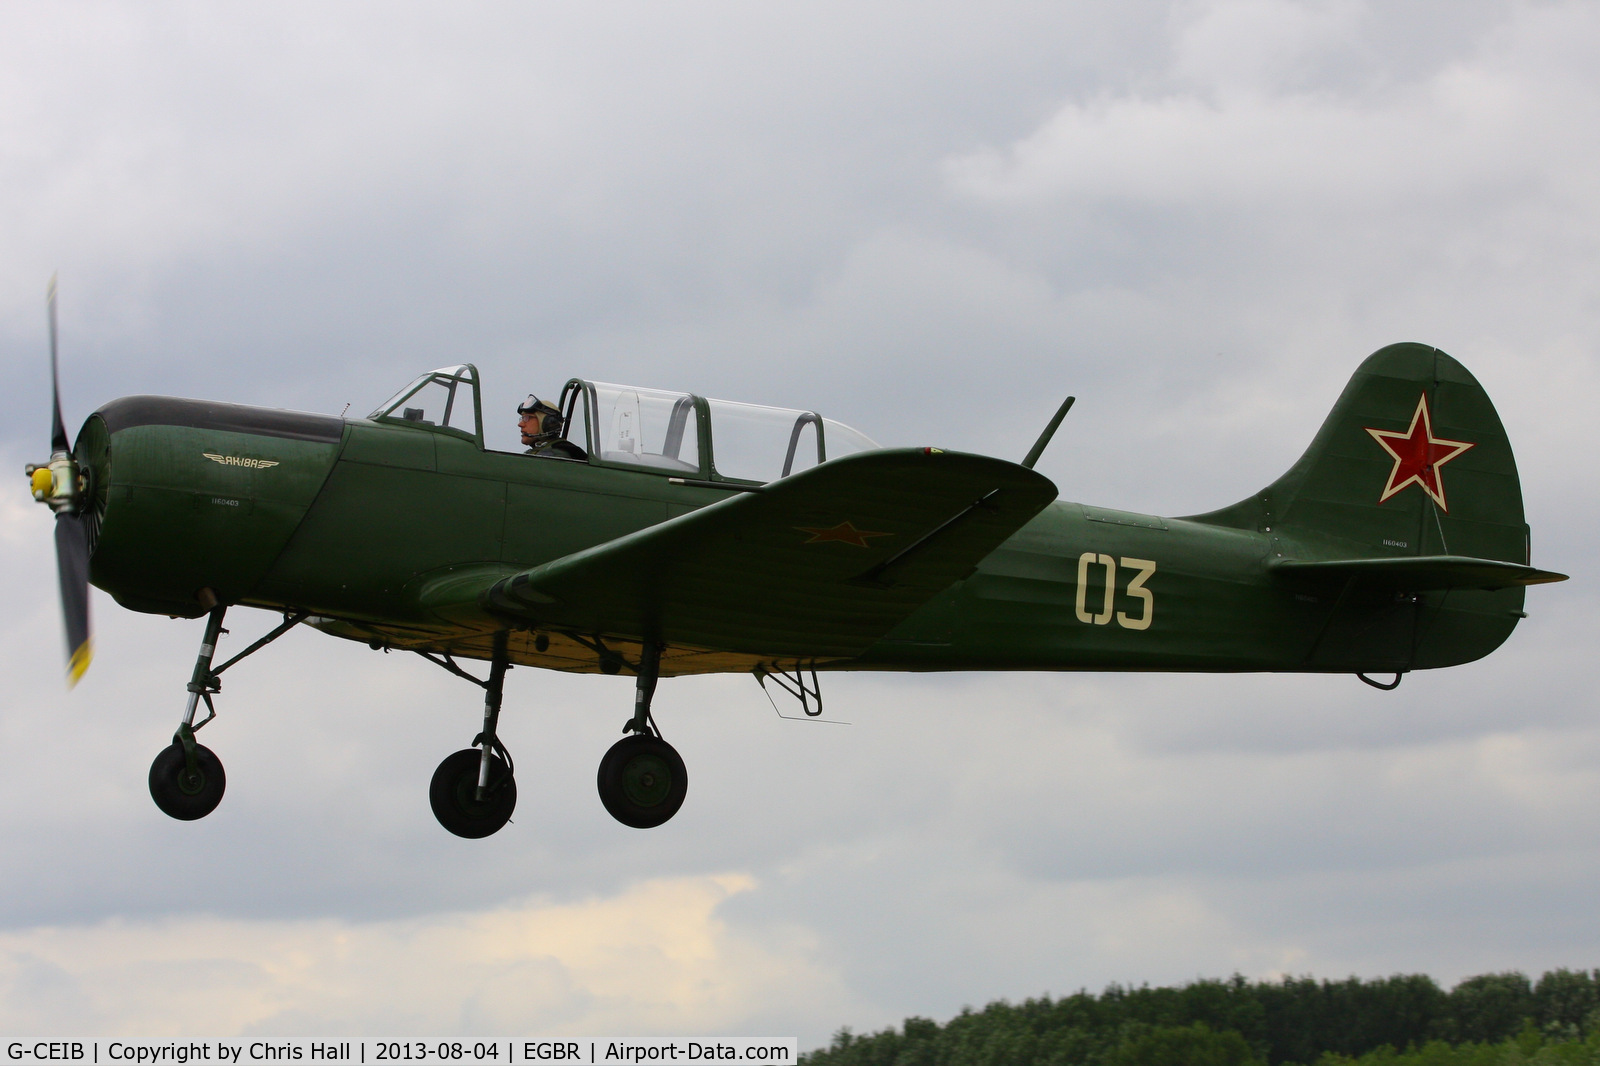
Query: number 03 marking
[[1136, 589]]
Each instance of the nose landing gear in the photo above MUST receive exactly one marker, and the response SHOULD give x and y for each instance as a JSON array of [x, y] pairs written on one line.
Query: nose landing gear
[[186, 779]]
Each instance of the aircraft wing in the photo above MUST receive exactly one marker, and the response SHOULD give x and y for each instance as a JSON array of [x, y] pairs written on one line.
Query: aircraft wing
[[1417, 573], [820, 564]]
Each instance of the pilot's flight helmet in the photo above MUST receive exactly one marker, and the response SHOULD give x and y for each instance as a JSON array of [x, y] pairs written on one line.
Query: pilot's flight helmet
[[549, 418]]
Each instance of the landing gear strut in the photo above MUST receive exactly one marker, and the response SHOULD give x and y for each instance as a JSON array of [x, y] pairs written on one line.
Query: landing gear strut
[[186, 779], [474, 791], [642, 779]]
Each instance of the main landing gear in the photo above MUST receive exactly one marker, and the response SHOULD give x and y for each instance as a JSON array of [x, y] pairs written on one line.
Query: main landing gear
[[186, 779], [642, 780]]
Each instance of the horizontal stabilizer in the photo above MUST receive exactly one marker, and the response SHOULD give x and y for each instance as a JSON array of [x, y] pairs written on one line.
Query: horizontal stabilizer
[[1416, 573], [820, 564]]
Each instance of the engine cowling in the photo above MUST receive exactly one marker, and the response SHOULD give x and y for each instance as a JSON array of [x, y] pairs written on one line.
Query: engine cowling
[[183, 495]]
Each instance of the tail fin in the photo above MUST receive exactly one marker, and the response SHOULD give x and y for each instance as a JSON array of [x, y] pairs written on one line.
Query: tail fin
[[1412, 460], [1412, 465]]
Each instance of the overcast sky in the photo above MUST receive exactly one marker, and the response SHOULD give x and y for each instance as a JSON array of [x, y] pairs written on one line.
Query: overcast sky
[[931, 221]]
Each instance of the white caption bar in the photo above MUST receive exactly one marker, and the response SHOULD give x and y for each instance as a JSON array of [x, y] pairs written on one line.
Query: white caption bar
[[780, 1050]]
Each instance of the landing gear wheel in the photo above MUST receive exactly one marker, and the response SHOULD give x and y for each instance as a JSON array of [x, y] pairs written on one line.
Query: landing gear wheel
[[454, 795], [642, 781], [183, 793]]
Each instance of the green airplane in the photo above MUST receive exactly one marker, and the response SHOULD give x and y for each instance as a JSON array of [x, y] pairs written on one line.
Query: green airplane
[[664, 534]]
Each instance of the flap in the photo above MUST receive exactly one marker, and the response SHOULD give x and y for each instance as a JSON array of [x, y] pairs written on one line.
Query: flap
[[820, 564], [1417, 573]]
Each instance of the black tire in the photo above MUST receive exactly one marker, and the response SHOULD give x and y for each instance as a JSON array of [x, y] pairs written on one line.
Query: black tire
[[642, 781], [183, 795], [454, 792]]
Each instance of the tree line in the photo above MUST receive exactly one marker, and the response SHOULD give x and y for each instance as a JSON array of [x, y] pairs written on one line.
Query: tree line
[[1495, 1019]]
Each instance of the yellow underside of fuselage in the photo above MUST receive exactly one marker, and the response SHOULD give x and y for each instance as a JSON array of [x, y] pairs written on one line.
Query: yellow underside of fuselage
[[561, 652]]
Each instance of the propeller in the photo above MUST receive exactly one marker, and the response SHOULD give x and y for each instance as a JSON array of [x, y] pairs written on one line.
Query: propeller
[[72, 564], [57, 485]]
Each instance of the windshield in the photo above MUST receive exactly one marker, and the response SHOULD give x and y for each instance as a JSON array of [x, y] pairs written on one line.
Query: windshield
[[446, 398]]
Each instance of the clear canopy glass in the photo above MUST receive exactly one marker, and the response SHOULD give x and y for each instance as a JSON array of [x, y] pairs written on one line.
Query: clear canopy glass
[[755, 443], [648, 429], [447, 397], [645, 427], [842, 440]]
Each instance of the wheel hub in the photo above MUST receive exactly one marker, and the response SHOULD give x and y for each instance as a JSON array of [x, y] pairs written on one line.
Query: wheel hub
[[646, 780]]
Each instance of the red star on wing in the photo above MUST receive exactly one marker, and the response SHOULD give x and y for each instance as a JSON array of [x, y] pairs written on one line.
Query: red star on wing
[[1418, 455], [844, 533]]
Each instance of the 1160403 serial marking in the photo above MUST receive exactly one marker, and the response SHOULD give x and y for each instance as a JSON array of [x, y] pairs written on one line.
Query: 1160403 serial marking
[[1134, 588]]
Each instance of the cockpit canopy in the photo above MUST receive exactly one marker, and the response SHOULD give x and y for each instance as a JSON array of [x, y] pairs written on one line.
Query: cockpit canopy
[[446, 398], [674, 433]]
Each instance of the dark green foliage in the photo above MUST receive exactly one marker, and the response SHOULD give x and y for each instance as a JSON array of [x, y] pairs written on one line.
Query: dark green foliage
[[1193, 1045], [1485, 1009], [1483, 1021], [1528, 1048], [1568, 1002], [1308, 1017]]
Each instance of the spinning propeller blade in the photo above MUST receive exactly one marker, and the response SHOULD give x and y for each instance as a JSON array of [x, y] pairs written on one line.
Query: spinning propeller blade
[[56, 485], [58, 429], [72, 563]]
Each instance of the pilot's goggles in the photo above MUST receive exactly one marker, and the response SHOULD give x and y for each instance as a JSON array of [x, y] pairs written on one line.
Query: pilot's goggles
[[534, 405]]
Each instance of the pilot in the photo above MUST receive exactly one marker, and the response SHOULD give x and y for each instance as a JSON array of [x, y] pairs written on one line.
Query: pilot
[[540, 423]]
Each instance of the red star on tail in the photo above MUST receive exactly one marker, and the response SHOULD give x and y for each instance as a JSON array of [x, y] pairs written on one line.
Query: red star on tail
[[1418, 455]]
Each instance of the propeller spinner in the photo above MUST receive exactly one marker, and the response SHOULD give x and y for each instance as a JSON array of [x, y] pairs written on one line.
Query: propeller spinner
[[59, 485]]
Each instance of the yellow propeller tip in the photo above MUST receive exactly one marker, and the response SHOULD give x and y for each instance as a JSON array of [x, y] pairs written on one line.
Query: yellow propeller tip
[[78, 664]]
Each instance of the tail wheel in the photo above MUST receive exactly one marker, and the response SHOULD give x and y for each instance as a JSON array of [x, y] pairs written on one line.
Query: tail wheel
[[186, 792], [454, 794], [642, 781]]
